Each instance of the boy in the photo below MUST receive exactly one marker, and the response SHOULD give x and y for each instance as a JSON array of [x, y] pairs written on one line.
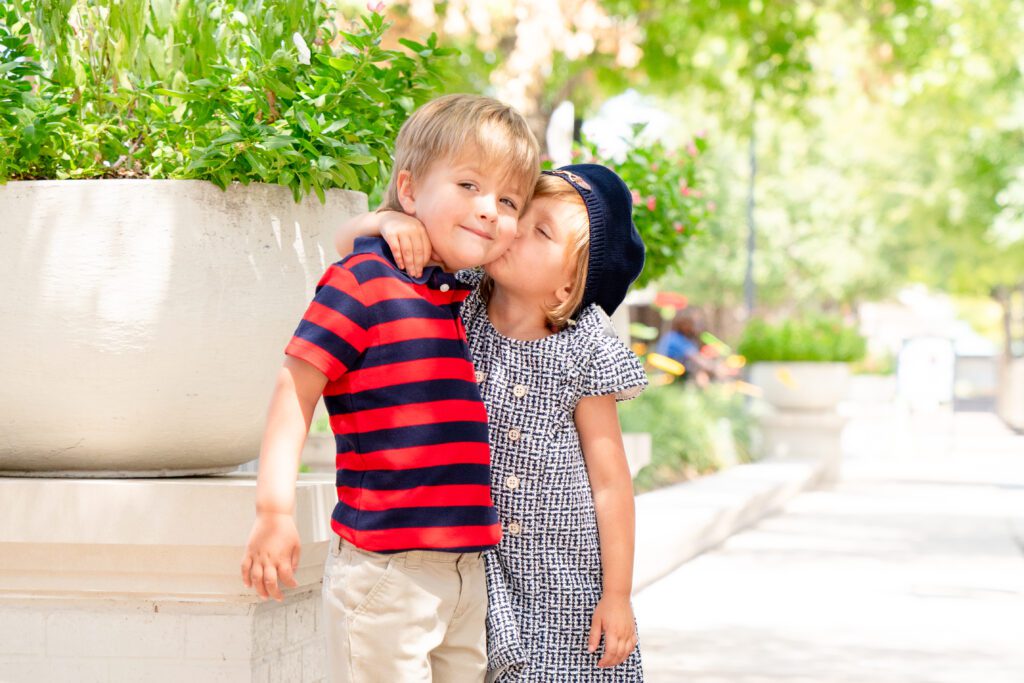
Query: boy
[[404, 593]]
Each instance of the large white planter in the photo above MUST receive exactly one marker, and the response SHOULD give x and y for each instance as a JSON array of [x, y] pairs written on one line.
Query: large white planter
[[143, 321], [802, 386], [1010, 397]]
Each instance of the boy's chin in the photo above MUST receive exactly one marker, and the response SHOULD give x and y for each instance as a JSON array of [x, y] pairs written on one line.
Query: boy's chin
[[461, 260]]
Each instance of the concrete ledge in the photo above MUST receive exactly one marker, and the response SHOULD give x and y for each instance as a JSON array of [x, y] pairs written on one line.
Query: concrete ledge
[[677, 523], [145, 537]]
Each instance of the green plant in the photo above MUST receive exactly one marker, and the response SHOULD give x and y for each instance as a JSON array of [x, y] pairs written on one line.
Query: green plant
[[686, 425], [222, 90], [669, 204], [875, 364], [822, 339]]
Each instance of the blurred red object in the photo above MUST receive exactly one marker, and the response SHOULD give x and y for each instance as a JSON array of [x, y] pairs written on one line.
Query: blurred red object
[[671, 300]]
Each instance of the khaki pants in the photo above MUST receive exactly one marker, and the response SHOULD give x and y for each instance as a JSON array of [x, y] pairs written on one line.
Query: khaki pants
[[404, 617]]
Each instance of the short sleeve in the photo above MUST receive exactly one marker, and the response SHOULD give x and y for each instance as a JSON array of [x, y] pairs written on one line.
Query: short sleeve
[[613, 369], [333, 332]]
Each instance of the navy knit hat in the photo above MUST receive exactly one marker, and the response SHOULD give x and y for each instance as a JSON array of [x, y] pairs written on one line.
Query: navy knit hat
[[616, 250]]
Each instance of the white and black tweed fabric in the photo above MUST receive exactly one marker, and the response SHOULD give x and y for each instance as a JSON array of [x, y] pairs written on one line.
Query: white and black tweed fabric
[[544, 578]]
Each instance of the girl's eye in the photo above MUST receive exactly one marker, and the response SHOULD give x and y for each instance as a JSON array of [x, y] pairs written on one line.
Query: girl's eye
[[543, 232], [510, 203], [468, 186]]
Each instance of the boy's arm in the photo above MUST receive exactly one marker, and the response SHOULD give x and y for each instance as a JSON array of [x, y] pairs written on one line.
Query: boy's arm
[[272, 553], [404, 234], [597, 422]]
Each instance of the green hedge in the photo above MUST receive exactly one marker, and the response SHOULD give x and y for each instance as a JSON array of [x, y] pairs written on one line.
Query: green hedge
[[822, 339], [682, 421]]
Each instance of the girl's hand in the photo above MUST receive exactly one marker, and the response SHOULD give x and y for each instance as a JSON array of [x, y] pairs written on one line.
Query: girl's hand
[[272, 555], [408, 241], [613, 616]]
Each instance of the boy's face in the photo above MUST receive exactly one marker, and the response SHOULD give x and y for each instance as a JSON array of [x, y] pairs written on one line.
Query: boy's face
[[470, 212]]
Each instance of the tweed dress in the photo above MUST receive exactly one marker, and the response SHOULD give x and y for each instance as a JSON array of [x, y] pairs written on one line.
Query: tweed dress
[[544, 578]]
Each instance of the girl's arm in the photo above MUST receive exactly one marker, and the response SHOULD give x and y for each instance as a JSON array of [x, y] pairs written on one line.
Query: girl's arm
[[597, 422], [404, 234]]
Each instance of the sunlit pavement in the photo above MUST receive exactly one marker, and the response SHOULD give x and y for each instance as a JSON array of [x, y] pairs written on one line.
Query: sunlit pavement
[[910, 571]]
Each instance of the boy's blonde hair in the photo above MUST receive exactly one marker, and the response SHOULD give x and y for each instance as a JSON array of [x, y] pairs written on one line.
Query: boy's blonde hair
[[578, 255], [445, 128]]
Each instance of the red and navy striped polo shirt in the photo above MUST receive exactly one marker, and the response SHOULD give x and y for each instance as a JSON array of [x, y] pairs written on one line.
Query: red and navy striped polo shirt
[[410, 426]]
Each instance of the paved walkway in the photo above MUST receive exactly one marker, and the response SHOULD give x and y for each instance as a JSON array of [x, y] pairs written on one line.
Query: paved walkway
[[910, 571]]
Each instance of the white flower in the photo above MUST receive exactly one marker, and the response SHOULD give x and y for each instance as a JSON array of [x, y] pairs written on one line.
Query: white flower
[[302, 48]]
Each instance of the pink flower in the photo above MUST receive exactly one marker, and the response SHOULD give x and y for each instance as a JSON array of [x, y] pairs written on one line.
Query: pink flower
[[576, 154], [651, 203], [654, 167], [712, 207], [376, 7], [691, 149], [544, 157], [696, 193], [678, 226], [636, 196], [701, 134]]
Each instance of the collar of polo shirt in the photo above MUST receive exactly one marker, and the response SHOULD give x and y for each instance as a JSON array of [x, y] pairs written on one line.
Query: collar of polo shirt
[[433, 276]]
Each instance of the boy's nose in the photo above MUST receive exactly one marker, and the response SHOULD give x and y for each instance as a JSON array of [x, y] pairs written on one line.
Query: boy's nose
[[487, 207]]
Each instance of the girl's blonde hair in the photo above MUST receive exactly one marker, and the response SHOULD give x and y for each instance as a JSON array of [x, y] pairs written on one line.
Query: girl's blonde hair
[[578, 256], [446, 128]]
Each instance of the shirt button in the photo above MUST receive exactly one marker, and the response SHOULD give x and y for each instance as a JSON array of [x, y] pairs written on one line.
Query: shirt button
[[480, 376], [515, 528], [511, 482], [514, 434], [445, 287], [519, 390]]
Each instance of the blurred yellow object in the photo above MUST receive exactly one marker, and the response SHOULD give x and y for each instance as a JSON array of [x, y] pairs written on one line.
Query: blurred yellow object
[[639, 348], [786, 377], [748, 389], [666, 364], [735, 362]]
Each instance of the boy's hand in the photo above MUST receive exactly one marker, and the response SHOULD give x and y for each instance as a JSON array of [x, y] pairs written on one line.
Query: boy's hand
[[272, 554], [613, 616], [408, 241]]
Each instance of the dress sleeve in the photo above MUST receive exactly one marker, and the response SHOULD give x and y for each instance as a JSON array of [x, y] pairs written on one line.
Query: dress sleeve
[[612, 368], [334, 329]]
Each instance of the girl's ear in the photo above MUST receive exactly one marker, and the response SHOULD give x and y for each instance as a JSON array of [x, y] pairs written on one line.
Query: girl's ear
[[564, 292], [406, 192]]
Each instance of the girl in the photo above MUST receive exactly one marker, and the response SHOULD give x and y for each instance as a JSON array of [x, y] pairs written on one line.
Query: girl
[[550, 369]]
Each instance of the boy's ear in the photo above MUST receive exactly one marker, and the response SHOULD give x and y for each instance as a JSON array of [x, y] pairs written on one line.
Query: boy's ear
[[406, 192]]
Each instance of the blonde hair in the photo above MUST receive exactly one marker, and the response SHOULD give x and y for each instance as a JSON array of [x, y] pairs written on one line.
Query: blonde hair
[[444, 129], [578, 255]]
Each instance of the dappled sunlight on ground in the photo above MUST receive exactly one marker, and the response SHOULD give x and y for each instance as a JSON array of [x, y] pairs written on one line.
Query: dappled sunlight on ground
[[910, 571]]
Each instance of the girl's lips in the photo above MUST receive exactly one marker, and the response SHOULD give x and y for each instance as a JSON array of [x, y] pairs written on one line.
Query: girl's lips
[[476, 232]]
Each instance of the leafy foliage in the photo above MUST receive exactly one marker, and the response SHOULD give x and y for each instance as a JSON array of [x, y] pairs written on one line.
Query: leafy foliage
[[821, 339], [685, 423], [228, 91], [669, 203]]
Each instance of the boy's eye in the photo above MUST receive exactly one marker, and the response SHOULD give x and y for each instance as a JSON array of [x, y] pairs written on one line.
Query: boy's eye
[[511, 203], [468, 186], [543, 232]]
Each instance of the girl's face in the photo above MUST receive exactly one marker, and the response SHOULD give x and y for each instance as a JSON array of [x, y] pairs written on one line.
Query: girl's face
[[537, 264]]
